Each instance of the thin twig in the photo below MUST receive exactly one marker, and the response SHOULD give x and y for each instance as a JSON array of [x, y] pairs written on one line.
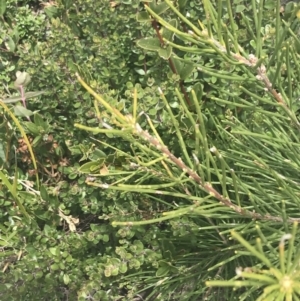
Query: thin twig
[[205, 185]]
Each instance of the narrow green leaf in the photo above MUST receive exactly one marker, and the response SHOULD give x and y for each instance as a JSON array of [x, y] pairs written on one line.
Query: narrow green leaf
[[151, 44], [240, 8], [2, 7], [11, 190], [165, 53], [10, 44], [4, 243], [15, 34], [2, 153], [67, 4], [143, 17], [37, 140], [18, 98], [97, 154], [21, 128], [33, 94], [5, 239], [91, 166], [3, 124], [168, 34], [178, 64], [186, 71], [162, 271], [198, 89], [51, 11], [15, 182], [44, 193], [252, 249], [21, 111], [38, 120], [160, 8], [182, 4], [12, 99], [32, 128]]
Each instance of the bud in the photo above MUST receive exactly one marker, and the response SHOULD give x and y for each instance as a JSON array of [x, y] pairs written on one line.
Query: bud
[[23, 79]]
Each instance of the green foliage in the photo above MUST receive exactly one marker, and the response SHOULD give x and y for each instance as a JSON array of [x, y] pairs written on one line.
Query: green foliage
[[180, 218], [234, 158], [68, 246]]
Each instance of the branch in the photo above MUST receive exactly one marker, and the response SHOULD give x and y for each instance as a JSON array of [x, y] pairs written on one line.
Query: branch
[[171, 63], [205, 185]]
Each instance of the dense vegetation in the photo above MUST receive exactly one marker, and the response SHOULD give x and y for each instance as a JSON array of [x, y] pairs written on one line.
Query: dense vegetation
[[149, 150]]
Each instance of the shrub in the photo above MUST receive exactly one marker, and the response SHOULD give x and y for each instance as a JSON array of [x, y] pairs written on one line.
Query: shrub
[[181, 218], [239, 172]]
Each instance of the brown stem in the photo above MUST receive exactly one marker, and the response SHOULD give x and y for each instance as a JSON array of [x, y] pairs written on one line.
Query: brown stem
[[205, 185], [171, 63]]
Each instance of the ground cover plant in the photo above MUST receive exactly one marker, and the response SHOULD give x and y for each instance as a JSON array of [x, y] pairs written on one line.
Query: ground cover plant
[[170, 173]]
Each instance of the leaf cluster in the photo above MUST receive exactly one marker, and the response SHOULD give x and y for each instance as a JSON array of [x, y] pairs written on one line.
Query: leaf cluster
[[215, 150]]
